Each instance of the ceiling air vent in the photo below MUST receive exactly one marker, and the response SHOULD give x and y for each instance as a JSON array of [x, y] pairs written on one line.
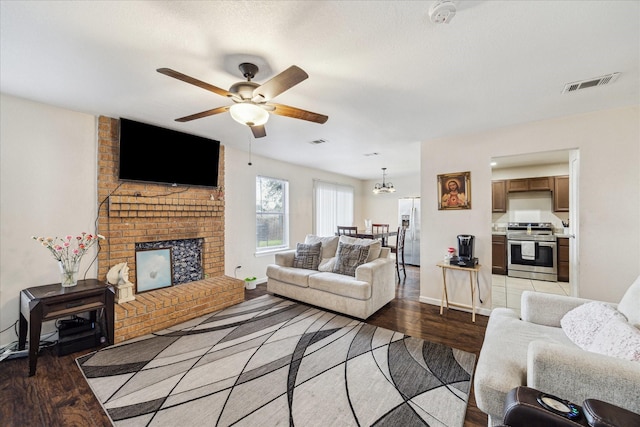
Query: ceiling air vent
[[583, 84]]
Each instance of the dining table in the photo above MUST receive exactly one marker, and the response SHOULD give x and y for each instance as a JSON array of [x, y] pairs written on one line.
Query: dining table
[[368, 234]]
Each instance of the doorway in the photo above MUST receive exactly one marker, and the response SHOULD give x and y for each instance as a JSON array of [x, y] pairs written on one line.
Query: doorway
[[527, 201]]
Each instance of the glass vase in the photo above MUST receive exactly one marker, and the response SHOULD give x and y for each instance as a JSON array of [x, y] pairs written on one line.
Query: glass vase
[[69, 272]]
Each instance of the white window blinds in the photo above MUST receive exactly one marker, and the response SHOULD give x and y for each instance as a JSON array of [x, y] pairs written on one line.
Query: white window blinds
[[333, 206]]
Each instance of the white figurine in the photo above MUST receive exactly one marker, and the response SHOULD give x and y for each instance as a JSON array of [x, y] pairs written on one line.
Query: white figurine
[[118, 276]]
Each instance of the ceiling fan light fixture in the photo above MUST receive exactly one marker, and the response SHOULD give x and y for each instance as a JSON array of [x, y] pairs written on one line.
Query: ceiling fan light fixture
[[385, 187], [248, 114]]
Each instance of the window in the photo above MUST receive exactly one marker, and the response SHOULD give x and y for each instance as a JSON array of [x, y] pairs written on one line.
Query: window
[[333, 206], [272, 214]]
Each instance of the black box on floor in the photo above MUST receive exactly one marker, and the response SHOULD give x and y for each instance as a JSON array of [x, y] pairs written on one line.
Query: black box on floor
[[70, 327], [80, 341]]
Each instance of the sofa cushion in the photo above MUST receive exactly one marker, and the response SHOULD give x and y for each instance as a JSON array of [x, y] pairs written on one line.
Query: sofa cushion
[[291, 275], [630, 304], [350, 257], [307, 256], [329, 244], [617, 338], [375, 246], [583, 322], [342, 285]]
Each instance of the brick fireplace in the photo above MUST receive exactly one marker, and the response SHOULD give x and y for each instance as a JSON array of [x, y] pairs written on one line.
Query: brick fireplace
[[140, 213]]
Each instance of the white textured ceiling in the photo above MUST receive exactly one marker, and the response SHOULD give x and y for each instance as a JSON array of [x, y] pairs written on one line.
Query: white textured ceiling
[[385, 75]]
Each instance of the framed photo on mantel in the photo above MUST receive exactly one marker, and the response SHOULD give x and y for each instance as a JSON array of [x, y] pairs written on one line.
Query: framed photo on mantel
[[454, 191], [153, 269]]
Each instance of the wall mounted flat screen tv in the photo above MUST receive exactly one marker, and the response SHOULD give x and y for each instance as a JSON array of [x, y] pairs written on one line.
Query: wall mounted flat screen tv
[[153, 154]]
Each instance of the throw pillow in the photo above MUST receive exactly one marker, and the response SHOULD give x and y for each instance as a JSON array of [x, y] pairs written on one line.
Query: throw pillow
[[630, 304], [329, 244], [350, 257], [307, 256], [583, 322], [375, 246], [617, 338]]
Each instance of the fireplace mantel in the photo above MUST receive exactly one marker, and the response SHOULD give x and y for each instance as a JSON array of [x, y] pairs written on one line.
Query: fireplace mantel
[[141, 206]]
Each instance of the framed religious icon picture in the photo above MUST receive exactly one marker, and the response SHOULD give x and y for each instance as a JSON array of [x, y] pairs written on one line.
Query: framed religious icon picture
[[454, 191]]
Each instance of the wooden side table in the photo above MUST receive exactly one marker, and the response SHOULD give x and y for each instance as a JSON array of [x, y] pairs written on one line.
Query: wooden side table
[[48, 302], [445, 297]]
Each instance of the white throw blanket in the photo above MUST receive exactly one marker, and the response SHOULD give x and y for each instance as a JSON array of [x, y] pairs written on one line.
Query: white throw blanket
[[528, 250]]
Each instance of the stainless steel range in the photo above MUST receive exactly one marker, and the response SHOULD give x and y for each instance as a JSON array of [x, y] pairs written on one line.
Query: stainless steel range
[[531, 249]]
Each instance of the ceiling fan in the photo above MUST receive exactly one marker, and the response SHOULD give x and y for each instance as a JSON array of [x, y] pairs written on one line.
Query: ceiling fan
[[251, 101]]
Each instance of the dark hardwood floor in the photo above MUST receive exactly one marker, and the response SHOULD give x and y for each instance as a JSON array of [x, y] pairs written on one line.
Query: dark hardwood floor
[[58, 395]]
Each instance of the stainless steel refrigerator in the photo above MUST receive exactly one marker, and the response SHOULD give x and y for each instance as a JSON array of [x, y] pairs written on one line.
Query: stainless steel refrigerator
[[409, 217]]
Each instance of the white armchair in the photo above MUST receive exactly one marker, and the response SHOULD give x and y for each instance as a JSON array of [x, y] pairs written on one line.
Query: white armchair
[[534, 351]]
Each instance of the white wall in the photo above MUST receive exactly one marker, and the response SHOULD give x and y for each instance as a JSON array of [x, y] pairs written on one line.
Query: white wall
[[609, 191], [240, 219], [47, 187], [383, 208], [531, 171]]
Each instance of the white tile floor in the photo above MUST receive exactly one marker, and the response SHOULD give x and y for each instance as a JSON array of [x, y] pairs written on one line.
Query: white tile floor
[[506, 291]]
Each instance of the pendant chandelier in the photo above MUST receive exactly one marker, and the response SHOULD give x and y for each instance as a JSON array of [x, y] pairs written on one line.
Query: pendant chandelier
[[385, 187]]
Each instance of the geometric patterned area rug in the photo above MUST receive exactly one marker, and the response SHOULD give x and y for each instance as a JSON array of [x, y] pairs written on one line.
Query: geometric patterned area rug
[[275, 362]]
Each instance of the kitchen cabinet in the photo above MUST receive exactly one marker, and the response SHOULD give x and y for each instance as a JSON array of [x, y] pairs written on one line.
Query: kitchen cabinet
[[515, 185], [499, 196], [540, 184], [561, 194], [543, 183], [499, 254], [563, 259]]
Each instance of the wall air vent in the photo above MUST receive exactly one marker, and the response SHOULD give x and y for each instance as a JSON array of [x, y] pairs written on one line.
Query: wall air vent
[[598, 81]]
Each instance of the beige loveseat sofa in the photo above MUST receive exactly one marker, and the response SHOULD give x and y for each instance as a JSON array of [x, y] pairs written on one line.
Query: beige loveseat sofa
[[371, 287], [570, 347]]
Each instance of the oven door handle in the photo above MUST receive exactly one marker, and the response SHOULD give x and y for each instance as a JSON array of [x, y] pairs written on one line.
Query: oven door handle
[[540, 243], [548, 244]]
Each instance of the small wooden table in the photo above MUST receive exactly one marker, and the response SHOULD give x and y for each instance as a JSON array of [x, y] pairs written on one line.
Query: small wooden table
[[48, 302], [445, 297]]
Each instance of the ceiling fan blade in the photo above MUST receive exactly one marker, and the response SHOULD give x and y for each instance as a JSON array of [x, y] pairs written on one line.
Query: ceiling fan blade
[[258, 131], [278, 84], [206, 86], [203, 114], [297, 113]]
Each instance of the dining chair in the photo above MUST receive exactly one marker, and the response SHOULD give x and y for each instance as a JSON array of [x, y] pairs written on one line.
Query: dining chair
[[347, 230], [398, 249], [381, 229]]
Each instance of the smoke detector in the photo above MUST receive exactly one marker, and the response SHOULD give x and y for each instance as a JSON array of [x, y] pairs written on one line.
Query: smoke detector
[[442, 11]]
